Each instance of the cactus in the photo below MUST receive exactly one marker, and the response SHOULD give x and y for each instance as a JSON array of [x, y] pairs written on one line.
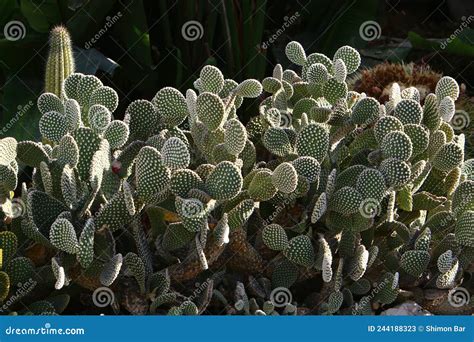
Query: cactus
[[224, 181], [274, 237], [324, 187], [60, 61]]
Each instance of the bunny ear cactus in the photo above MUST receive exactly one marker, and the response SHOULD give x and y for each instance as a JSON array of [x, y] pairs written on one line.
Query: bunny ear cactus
[[274, 237], [211, 79], [152, 175], [224, 181], [4, 285], [8, 167], [141, 116], [14, 270], [63, 236], [323, 185], [300, 251], [171, 106], [175, 154]]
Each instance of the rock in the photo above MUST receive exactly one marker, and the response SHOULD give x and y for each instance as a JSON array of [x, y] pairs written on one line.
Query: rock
[[407, 309]]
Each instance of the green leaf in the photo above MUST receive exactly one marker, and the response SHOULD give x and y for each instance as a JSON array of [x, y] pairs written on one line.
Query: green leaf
[[454, 46], [351, 13], [19, 116], [41, 14], [132, 31], [83, 24]]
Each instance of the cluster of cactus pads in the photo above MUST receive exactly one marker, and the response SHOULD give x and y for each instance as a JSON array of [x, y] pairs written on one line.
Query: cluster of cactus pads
[[339, 201]]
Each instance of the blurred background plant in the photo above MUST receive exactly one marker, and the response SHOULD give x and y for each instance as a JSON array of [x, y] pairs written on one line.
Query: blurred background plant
[[138, 46]]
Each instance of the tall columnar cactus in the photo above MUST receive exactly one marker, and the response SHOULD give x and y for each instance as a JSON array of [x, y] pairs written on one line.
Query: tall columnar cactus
[[60, 62], [324, 187]]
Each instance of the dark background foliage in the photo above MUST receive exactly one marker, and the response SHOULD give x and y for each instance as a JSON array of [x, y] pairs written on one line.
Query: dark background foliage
[[137, 46]]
